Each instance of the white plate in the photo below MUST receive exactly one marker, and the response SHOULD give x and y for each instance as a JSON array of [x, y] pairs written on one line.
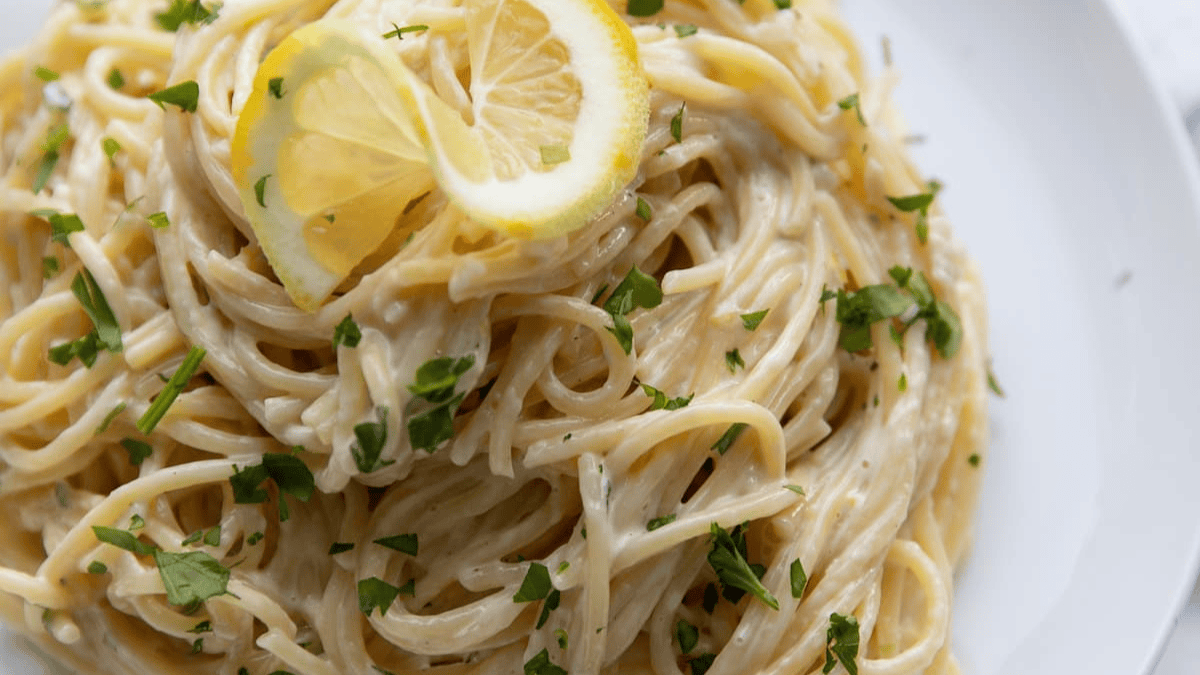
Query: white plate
[[1068, 179]]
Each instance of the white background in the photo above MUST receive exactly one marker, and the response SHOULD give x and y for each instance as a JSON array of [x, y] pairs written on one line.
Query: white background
[[1170, 34]]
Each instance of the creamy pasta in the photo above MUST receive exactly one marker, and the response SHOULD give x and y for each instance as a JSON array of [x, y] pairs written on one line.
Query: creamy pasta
[[619, 493]]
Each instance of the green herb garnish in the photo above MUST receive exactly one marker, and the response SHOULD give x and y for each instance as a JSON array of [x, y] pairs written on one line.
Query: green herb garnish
[[290, 474], [637, 289], [404, 543], [185, 96], [186, 11], [536, 585], [727, 557], [841, 641], [687, 635], [677, 123], [375, 592], [50, 267], [551, 604], [370, 437], [540, 663], [658, 522], [642, 211], [275, 87], [122, 539], [733, 361], [399, 32], [726, 440], [661, 402], [44, 74], [849, 102], [339, 547], [158, 220], [346, 333], [171, 391], [97, 567], [115, 79], [751, 321], [643, 7], [683, 30], [111, 147], [798, 577]]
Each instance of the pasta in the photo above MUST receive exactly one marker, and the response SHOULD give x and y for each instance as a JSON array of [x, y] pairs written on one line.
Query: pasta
[[620, 492]]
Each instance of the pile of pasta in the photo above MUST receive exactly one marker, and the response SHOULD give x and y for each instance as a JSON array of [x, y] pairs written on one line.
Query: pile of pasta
[[734, 430]]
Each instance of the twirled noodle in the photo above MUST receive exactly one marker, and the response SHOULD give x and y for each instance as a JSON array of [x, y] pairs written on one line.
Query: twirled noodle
[[773, 194]]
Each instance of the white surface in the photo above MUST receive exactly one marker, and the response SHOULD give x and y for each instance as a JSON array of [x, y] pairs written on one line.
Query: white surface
[[1064, 172]]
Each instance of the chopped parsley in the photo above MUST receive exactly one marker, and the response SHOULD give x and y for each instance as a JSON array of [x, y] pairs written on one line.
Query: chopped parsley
[[783, 4], [540, 663], [404, 543], [637, 289], [849, 102], [138, 450], [50, 267], [702, 663], [375, 592], [254, 538], [555, 153], [993, 384], [260, 188], [275, 87], [197, 646], [858, 310], [709, 601], [61, 224], [841, 641], [185, 96], [399, 32], [50, 150], [44, 74], [561, 636], [798, 578], [902, 383], [115, 79], [97, 567], [111, 147], [562, 566], [683, 30], [795, 488], [687, 635], [826, 296], [643, 7], [919, 203], [661, 402], [753, 319], [172, 389], [111, 417], [974, 459], [677, 123], [727, 557], [202, 627], [726, 440], [192, 577], [290, 474], [85, 349], [536, 585], [435, 382], [186, 11], [95, 305], [551, 604], [158, 220], [658, 522], [643, 210], [733, 361], [370, 437], [346, 333], [122, 539], [339, 547]]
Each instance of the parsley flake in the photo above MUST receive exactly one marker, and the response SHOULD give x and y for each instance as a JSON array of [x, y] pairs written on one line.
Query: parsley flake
[[783, 4], [435, 382], [727, 557], [726, 440], [44, 74], [751, 321], [994, 385], [841, 641], [138, 450], [370, 437], [375, 592], [536, 585], [254, 538], [798, 578], [260, 188], [275, 87], [661, 402], [643, 7], [733, 361], [111, 147], [683, 30], [974, 459], [560, 635], [346, 333], [551, 604], [660, 521], [50, 267], [849, 102], [122, 539], [85, 349], [642, 211], [290, 474], [97, 567], [637, 289], [540, 663], [185, 11], [339, 547], [795, 488], [95, 305], [702, 663], [858, 310], [677, 123], [158, 220], [115, 79], [399, 32], [172, 389], [185, 96], [404, 543], [902, 383]]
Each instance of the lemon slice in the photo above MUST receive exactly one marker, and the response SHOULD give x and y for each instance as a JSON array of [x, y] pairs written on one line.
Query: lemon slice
[[338, 136], [325, 156], [559, 105]]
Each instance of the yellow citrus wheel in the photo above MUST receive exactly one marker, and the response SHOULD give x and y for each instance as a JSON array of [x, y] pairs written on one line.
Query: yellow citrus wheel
[[338, 136]]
